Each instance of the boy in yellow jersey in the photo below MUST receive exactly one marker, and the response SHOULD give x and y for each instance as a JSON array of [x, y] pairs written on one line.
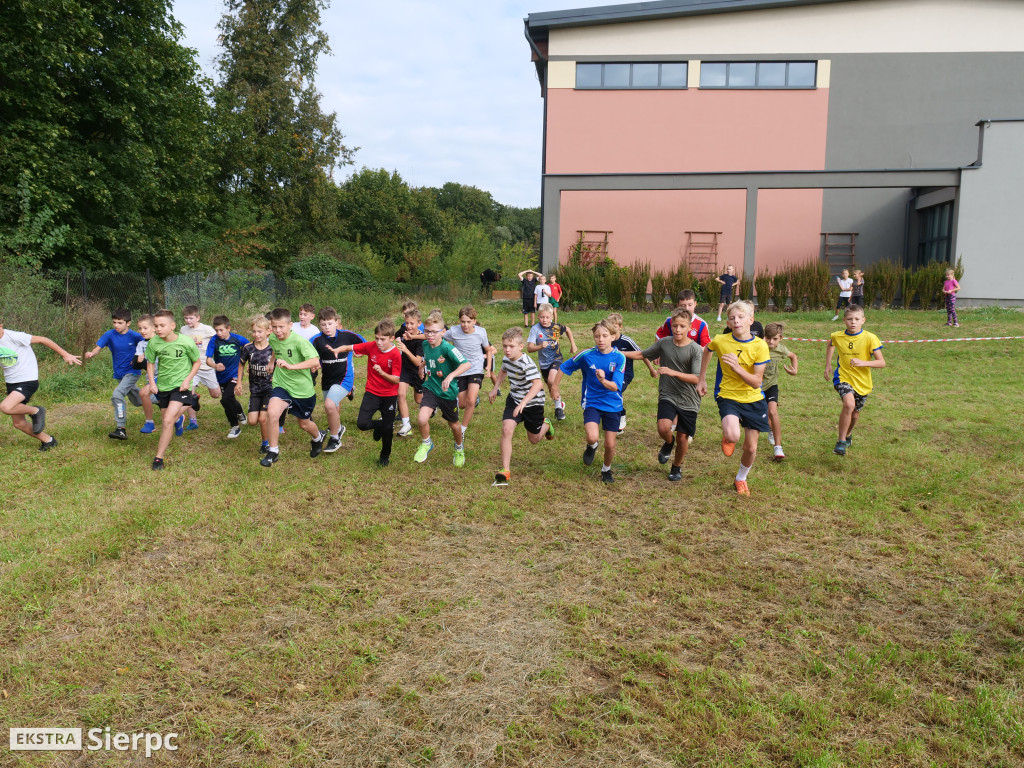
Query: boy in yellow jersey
[[859, 351], [741, 404]]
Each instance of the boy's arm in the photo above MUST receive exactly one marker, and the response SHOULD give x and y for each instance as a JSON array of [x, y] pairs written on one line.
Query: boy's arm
[[150, 376], [497, 385], [719, 280], [702, 378], [312, 363], [792, 367], [186, 385], [530, 347], [93, 352], [68, 357], [876, 361], [573, 349], [829, 349], [393, 378], [535, 387], [689, 378], [447, 382], [241, 377]]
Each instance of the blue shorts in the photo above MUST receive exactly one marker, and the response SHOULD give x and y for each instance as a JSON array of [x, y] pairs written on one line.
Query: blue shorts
[[609, 421], [751, 415], [300, 407]]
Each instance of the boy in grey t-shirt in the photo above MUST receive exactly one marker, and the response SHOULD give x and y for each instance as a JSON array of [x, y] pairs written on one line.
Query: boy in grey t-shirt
[[678, 400], [471, 340]]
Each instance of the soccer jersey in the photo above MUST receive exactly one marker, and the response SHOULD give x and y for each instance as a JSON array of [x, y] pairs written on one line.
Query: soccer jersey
[[698, 331], [200, 336], [175, 359], [415, 346], [626, 344], [17, 358], [550, 354], [390, 362], [594, 393], [473, 346], [336, 369], [779, 356], [685, 359], [226, 351], [750, 354], [122, 350], [293, 350], [521, 374], [439, 362], [861, 345], [260, 380]]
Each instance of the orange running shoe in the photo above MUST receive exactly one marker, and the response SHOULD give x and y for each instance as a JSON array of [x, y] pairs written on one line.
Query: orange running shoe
[[741, 487], [727, 447]]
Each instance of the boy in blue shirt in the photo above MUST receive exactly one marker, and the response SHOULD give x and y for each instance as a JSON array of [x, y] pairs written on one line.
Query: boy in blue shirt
[[222, 354], [122, 342], [603, 367]]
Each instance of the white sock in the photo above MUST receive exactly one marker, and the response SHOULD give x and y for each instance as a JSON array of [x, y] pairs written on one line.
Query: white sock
[[336, 435], [458, 447], [405, 422], [592, 445], [606, 467], [742, 474], [272, 449]]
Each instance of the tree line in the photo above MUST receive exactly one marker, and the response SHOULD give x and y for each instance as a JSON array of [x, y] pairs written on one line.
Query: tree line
[[119, 154]]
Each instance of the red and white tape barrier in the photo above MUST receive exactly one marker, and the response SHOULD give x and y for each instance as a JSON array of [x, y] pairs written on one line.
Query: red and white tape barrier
[[922, 341]]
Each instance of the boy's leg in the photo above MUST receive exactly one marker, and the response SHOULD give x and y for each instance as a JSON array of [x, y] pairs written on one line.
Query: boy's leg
[[147, 403], [750, 437], [169, 416], [665, 430], [403, 402], [232, 408], [471, 393], [508, 428], [682, 445], [846, 416], [731, 428], [332, 407], [119, 397], [310, 428], [456, 428], [423, 419], [388, 407], [276, 410], [555, 385], [609, 448], [14, 405], [774, 423], [368, 407]]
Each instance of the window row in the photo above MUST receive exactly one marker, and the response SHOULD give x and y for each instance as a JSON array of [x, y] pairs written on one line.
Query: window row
[[713, 74]]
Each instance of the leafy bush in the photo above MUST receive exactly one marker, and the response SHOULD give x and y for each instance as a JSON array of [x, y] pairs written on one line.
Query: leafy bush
[[780, 289], [638, 274], [324, 271], [679, 279], [708, 290], [579, 283], [763, 288], [659, 287], [883, 279], [616, 287]]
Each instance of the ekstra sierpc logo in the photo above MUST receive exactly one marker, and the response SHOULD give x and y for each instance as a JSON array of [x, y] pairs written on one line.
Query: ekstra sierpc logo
[[96, 739]]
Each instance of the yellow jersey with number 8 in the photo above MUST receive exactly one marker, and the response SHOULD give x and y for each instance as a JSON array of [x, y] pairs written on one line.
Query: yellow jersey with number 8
[[849, 346]]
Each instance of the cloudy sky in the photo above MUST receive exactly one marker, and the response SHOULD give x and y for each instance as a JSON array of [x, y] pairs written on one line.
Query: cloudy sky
[[439, 91]]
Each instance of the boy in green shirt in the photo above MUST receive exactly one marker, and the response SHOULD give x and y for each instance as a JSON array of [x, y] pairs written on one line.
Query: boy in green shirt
[[178, 360], [295, 360], [442, 364]]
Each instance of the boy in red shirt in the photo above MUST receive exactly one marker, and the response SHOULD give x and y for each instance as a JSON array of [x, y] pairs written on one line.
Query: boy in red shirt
[[383, 367], [556, 294]]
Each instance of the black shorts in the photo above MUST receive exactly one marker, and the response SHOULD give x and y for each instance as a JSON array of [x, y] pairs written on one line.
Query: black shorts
[[751, 415], [609, 421], [300, 407], [545, 371], [724, 295], [164, 399], [532, 416], [771, 395], [411, 376], [473, 378], [843, 301], [528, 306], [845, 389], [258, 401], [686, 421], [856, 300], [449, 408], [26, 388]]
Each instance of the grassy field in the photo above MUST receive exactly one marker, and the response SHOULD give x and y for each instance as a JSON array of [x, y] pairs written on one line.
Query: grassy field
[[857, 612]]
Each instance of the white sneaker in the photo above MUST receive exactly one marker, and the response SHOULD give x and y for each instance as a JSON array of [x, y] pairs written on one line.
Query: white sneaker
[[234, 432], [405, 431], [836, 317], [778, 452], [622, 423]]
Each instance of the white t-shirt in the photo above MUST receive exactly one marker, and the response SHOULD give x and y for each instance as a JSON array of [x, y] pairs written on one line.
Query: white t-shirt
[[845, 287], [542, 294], [17, 358], [307, 333], [201, 335]]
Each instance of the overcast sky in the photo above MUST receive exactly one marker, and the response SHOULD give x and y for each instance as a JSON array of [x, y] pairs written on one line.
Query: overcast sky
[[439, 91]]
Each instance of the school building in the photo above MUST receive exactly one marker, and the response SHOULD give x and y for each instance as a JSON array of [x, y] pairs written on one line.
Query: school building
[[761, 132]]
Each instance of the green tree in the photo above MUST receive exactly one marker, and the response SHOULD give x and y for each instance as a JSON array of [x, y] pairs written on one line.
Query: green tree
[[274, 144], [376, 207], [468, 205], [103, 128]]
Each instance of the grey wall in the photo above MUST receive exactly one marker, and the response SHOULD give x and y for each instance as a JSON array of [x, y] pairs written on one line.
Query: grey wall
[[877, 215]]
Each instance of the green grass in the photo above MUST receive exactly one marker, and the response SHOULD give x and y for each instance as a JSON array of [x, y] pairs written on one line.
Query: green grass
[[857, 612]]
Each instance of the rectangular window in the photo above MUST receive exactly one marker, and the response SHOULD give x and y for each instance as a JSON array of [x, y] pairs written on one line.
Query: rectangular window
[[638, 75], [935, 233], [758, 74]]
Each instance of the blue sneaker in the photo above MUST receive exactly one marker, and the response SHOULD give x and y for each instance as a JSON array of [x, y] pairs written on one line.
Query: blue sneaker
[[840, 449], [179, 428], [148, 428], [192, 424]]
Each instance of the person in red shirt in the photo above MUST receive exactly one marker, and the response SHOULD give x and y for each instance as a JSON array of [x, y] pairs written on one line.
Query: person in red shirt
[[556, 294], [383, 367], [687, 300]]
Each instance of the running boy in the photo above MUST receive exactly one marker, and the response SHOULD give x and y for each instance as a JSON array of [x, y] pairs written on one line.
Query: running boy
[[294, 361], [338, 375], [21, 375], [687, 299], [409, 341], [222, 355], [383, 369], [741, 360], [678, 400], [200, 333], [859, 351], [729, 283], [524, 403], [442, 365], [632, 352], [603, 367], [146, 395], [544, 339], [770, 383], [471, 340], [178, 359], [260, 359], [304, 325], [122, 342]]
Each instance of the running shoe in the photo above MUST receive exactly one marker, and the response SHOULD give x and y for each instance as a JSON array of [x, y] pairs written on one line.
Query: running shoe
[[38, 420], [675, 474], [316, 447], [606, 476], [665, 453], [459, 459], [727, 447], [423, 451], [118, 434], [741, 487], [588, 455], [148, 428]]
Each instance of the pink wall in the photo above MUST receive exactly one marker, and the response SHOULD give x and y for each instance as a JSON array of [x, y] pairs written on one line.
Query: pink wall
[[690, 130], [651, 225], [788, 226]]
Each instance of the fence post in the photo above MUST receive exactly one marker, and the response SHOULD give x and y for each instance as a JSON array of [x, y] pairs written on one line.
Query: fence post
[[85, 289], [149, 291]]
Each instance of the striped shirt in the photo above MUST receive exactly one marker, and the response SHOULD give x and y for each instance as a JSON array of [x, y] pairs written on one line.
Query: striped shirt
[[521, 375]]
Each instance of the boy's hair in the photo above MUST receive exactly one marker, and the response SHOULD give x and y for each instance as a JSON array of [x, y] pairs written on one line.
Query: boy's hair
[[467, 311], [409, 305], [385, 327], [221, 320], [165, 313], [678, 312], [685, 295], [854, 309], [606, 325], [412, 312], [435, 318], [513, 334], [191, 309], [308, 308], [327, 313], [121, 314], [746, 306], [144, 319], [545, 309], [615, 319], [260, 322], [281, 313], [772, 330]]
